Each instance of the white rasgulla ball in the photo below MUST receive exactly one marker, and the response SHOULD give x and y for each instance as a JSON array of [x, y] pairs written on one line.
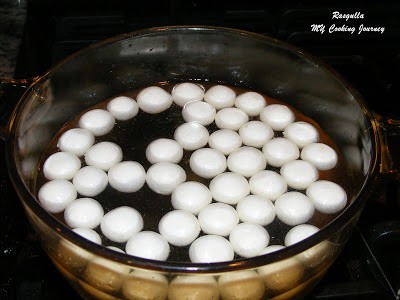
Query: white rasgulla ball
[[271, 248], [256, 209], [231, 118], [179, 227], [191, 196], [164, 177], [84, 213], [246, 161], [245, 284], [191, 135], [251, 103], [255, 133], [148, 244], [278, 116], [103, 155], [207, 162], [268, 183], [220, 96], [280, 150], [225, 141], [299, 233], [55, 195], [186, 92], [163, 149], [127, 176], [115, 249], [294, 208], [301, 133], [328, 197], [218, 218], [249, 239], [299, 174], [98, 121], [123, 108], [210, 249], [121, 223], [200, 112], [323, 156], [154, 99], [88, 234], [76, 140], [61, 165], [90, 181], [229, 187]]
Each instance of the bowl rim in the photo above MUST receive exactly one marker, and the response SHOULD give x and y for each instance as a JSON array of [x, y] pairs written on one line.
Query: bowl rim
[[63, 230]]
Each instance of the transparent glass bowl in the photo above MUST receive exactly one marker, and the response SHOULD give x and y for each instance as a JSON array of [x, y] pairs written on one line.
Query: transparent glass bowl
[[182, 53]]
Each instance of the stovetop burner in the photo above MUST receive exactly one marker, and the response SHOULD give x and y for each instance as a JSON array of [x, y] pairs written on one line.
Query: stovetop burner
[[369, 266]]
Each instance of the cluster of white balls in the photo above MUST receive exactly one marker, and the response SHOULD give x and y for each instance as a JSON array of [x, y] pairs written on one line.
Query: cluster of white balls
[[227, 217]]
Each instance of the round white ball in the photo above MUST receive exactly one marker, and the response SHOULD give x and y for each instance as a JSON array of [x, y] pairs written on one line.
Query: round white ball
[[294, 208], [301, 133], [179, 227], [229, 187], [210, 249], [328, 197], [249, 239], [76, 140], [127, 176], [246, 161], [218, 219], [90, 181], [61, 165], [268, 183], [255, 133], [103, 155], [123, 108], [200, 112], [186, 92], [278, 116], [191, 196], [154, 100], [280, 150], [148, 244], [98, 121], [191, 135], [121, 223], [251, 103], [115, 249], [55, 195], [323, 156], [207, 162], [84, 213], [256, 209], [220, 96], [88, 234], [231, 118], [299, 233], [271, 248], [163, 149], [225, 140], [299, 174], [164, 177]]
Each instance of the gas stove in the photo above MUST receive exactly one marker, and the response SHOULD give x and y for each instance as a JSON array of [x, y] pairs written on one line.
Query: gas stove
[[358, 39]]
